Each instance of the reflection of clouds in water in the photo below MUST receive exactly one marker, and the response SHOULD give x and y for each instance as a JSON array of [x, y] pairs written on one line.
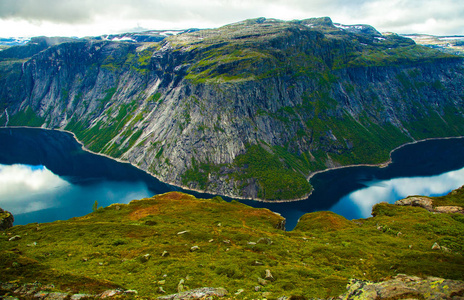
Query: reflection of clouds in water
[[28, 189], [398, 188], [22, 187]]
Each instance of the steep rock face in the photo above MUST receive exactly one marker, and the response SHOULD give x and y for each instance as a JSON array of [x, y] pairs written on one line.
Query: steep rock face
[[246, 110]]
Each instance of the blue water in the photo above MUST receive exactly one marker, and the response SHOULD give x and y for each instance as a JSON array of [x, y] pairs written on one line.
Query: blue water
[[46, 176]]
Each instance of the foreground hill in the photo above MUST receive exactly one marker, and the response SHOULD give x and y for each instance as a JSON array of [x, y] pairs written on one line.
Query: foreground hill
[[175, 242], [249, 110]]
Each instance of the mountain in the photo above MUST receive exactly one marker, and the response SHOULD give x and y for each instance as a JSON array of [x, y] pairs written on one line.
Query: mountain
[[250, 109], [449, 44], [173, 243]]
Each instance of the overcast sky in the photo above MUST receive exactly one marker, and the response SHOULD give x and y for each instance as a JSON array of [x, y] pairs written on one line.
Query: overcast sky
[[95, 17]]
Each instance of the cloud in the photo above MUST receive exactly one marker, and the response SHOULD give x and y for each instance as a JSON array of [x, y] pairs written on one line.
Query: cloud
[[22, 188], [27, 189], [403, 16], [399, 188]]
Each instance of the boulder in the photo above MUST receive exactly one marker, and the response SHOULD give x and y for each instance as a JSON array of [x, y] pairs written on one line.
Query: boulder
[[110, 293], [262, 282], [404, 287], [14, 238], [200, 293], [269, 275], [423, 202], [449, 209], [6, 219], [436, 246]]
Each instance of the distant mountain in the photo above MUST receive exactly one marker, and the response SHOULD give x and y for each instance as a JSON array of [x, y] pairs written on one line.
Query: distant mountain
[[449, 44], [249, 110]]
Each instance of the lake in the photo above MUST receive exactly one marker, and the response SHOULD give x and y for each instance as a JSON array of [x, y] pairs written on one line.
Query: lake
[[46, 176]]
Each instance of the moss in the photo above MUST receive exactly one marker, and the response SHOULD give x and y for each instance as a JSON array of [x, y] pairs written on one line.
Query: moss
[[97, 137], [26, 117], [277, 181], [104, 249]]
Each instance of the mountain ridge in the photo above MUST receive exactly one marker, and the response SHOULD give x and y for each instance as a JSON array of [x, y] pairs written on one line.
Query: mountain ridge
[[249, 109]]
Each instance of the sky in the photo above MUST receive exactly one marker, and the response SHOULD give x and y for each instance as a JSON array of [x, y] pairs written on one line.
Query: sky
[[26, 18]]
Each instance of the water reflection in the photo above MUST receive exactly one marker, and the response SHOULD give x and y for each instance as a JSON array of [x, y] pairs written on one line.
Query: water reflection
[[35, 194], [358, 204]]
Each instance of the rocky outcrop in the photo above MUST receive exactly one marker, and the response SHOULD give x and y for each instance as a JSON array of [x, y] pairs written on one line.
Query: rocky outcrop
[[6, 219], [423, 202], [426, 203], [38, 291], [449, 209], [405, 287], [200, 293], [198, 109]]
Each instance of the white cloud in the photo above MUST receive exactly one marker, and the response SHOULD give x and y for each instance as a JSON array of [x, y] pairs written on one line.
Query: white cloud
[[22, 188], [399, 188], [25, 189], [89, 17]]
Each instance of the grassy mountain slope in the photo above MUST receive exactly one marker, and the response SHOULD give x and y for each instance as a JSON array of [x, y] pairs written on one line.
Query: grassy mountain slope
[[123, 245]]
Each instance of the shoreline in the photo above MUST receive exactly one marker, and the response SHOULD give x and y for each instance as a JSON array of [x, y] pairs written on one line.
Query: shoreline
[[379, 165]]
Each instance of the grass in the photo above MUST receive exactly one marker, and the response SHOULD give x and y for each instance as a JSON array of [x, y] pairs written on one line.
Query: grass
[[276, 180], [237, 243]]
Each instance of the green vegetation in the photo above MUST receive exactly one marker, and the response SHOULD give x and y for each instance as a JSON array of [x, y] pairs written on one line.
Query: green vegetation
[[123, 245], [276, 180], [98, 136], [26, 117], [198, 173]]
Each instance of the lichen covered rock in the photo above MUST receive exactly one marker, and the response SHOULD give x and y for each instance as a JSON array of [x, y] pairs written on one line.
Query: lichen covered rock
[[6, 219], [405, 287]]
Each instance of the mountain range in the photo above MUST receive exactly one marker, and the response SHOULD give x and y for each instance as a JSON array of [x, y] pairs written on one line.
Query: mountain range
[[251, 109]]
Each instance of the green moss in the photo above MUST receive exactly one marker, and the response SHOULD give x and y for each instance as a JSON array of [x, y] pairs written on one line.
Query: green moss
[[277, 181], [199, 173], [26, 117], [98, 136], [237, 244]]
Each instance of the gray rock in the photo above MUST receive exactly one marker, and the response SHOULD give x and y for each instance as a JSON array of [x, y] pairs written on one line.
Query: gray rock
[[41, 295], [14, 238], [266, 241], [269, 276], [200, 293], [257, 263], [239, 291], [436, 246], [402, 287], [110, 293], [262, 281], [57, 296], [81, 296], [145, 258], [423, 202], [449, 209], [180, 287]]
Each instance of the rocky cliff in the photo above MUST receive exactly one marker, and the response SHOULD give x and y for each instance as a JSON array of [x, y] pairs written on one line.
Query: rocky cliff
[[248, 110]]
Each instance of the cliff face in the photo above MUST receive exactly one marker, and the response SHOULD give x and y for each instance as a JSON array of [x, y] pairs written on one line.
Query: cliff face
[[249, 109]]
